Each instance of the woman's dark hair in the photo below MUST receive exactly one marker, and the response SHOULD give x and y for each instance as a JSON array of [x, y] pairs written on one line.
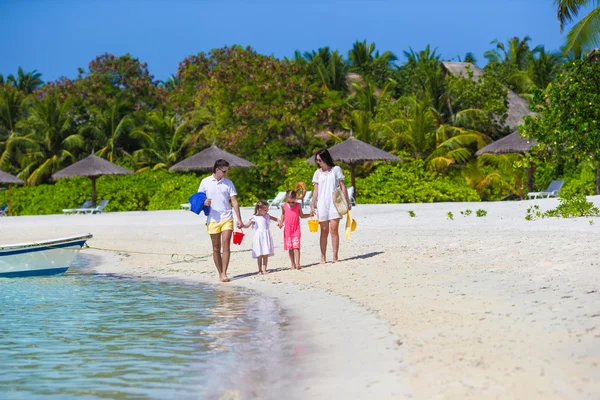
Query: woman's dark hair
[[325, 157], [220, 164]]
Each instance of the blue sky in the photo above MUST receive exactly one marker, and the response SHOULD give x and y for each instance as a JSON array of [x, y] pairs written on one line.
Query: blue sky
[[55, 37]]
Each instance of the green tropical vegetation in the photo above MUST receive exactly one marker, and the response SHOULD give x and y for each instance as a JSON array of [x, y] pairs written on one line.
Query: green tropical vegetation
[[276, 113]]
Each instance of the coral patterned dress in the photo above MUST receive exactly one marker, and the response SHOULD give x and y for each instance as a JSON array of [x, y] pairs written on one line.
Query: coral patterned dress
[[291, 227]]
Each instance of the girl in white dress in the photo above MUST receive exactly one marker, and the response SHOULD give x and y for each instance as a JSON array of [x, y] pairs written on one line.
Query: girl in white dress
[[325, 180], [262, 240]]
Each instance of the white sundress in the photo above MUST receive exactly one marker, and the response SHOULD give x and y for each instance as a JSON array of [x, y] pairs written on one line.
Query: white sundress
[[262, 240], [327, 182]]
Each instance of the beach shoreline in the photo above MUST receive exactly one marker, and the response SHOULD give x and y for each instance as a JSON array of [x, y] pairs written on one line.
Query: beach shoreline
[[469, 308]]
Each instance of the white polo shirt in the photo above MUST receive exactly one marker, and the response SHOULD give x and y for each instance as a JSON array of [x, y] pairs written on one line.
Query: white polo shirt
[[220, 193]]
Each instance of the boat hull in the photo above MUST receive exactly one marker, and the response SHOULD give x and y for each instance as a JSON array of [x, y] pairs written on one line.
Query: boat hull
[[49, 257]]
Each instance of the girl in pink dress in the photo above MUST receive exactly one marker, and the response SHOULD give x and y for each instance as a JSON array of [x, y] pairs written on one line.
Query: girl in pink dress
[[291, 212]]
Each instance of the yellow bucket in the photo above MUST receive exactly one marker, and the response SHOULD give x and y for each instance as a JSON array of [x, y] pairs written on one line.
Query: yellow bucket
[[313, 225]]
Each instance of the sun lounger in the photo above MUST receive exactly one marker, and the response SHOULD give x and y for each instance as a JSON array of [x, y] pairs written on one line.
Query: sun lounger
[[86, 204], [351, 195], [185, 206], [100, 208], [3, 210], [552, 191], [278, 200], [307, 198]]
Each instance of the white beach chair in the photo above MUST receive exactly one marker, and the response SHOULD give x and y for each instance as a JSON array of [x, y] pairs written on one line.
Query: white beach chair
[[86, 204], [100, 208], [278, 200], [185, 206], [307, 198], [351, 195], [552, 191]]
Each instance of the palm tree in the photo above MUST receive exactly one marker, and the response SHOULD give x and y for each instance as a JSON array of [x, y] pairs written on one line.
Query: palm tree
[[109, 127], [327, 68], [364, 99], [25, 82], [165, 137], [52, 127], [544, 67], [14, 143], [586, 33], [429, 81], [413, 127], [457, 142], [516, 52], [365, 60], [541, 70], [171, 83]]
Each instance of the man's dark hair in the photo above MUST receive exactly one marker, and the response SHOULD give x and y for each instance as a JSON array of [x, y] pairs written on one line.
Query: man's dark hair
[[220, 164]]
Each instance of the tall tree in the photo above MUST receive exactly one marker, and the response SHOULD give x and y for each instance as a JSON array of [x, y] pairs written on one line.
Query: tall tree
[[51, 122], [568, 121], [365, 60], [109, 128], [586, 33], [516, 52], [26, 82], [14, 142], [164, 139], [327, 68]]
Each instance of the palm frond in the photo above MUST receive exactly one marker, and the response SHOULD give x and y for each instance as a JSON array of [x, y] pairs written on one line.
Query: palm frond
[[586, 33]]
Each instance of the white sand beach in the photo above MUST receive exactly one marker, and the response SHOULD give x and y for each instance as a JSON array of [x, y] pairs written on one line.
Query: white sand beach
[[422, 307]]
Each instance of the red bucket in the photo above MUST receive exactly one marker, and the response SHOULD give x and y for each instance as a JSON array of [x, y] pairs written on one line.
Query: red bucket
[[238, 237]]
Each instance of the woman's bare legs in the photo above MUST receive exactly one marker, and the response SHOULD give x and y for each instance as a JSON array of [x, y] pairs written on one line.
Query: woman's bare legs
[[334, 224], [323, 240]]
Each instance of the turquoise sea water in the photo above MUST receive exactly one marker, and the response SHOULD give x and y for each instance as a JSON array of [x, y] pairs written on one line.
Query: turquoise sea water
[[95, 336]]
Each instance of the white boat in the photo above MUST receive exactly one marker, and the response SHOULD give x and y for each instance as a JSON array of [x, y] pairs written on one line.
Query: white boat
[[48, 257]]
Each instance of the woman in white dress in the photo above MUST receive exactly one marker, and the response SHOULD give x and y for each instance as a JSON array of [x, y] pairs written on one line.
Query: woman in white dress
[[262, 240], [325, 180]]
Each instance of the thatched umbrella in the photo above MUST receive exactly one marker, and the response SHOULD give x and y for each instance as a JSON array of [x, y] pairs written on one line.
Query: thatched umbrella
[[205, 160], [10, 180], [512, 144], [353, 152], [93, 167]]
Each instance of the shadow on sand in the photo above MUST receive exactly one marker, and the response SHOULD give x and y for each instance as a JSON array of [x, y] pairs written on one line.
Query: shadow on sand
[[359, 257]]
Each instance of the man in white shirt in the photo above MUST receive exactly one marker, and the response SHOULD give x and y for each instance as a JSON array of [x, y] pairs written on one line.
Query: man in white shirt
[[220, 197]]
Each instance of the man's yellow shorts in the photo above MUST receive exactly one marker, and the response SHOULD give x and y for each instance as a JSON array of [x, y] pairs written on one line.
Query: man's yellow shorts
[[214, 228]]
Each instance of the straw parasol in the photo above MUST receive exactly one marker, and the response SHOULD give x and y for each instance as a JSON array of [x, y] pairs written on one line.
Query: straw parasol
[[93, 167], [353, 152], [512, 144], [10, 180], [205, 160]]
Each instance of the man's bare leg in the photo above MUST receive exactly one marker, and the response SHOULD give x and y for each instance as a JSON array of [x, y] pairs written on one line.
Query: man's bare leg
[[226, 245], [334, 224], [323, 240], [216, 249]]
